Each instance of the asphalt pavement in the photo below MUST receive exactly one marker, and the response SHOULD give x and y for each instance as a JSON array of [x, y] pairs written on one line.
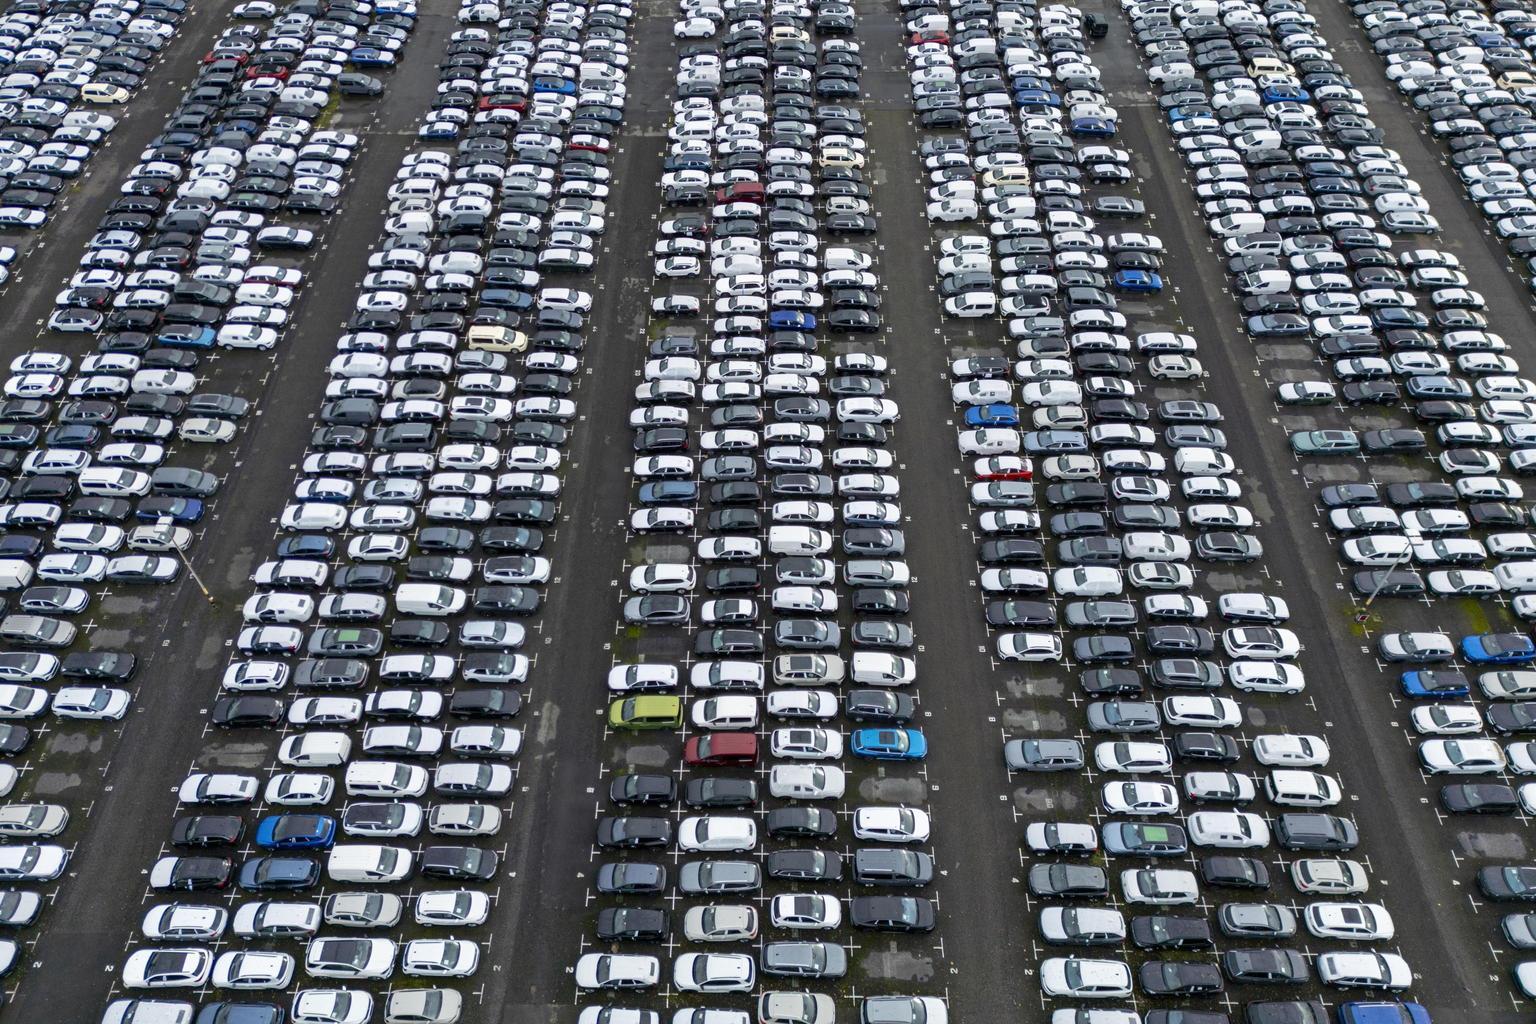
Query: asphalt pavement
[[969, 703]]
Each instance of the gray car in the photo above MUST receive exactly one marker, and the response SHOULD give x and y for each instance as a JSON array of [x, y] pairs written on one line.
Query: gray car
[[1124, 716], [713, 876], [805, 959], [1257, 920], [1044, 755]]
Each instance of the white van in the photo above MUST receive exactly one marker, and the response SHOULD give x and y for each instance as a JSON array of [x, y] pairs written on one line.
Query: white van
[[1254, 243], [971, 304], [1235, 224], [368, 863], [103, 92], [798, 540], [494, 338], [1516, 577], [429, 599], [15, 574]]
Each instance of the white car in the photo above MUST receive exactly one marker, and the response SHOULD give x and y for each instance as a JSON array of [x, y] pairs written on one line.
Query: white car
[[167, 968], [1133, 757], [807, 744], [1232, 830], [1446, 719], [1202, 712], [1082, 978], [1364, 970], [1029, 647], [1350, 921], [1139, 798], [1266, 677], [1291, 751], [721, 922], [806, 912], [716, 834], [91, 703], [891, 824], [806, 782], [1159, 886], [358, 958], [714, 972], [1461, 757], [440, 958], [184, 922], [253, 970]]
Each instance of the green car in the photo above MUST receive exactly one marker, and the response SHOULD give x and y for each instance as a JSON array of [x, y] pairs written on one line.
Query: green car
[[1325, 442], [646, 712]]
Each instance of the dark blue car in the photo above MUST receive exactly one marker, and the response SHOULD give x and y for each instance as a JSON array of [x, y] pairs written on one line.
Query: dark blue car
[[669, 492], [183, 510], [279, 874], [296, 832]]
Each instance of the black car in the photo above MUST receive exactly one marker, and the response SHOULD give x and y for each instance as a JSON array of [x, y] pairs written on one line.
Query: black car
[[246, 711], [485, 703], [631, 877], [806, 865], [801, 822], [1253, 966], [892, 913], [459, 863], [720, 791], [1234, 872], [642, 788], [1163, 931], [199, 874], [1479, 798], [1205, 747], [632, 832], [632, 924], [1179, 978], [105, 666], [204, 830]]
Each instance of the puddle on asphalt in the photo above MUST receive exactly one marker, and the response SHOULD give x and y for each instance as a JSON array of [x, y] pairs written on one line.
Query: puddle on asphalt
[[647, 756], [1035, 721]]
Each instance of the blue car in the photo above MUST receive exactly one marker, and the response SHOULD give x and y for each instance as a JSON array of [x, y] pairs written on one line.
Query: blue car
[[1383, 1013], [1498, 648], [994, 415], [1434, 684], [1286, 94], [296, 832], [559, 85], [890, 744], [791, 320], [371, 57], [186, 336], [438, 130], [1138, 281], [1094, 127]]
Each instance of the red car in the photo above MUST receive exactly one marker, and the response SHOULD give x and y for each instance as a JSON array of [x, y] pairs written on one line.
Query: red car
[[721, 749]]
